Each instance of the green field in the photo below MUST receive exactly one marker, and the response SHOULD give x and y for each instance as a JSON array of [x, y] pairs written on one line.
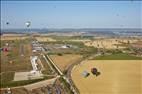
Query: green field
[[62, 38], [6, 77], [23, 82], [80, 48], [118, 56], [47, 70]]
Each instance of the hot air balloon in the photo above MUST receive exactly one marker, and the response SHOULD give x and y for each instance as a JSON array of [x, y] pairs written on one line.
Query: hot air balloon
[[28, 23], [7, 23]]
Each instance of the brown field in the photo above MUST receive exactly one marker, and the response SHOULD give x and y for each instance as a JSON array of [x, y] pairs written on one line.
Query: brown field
[[117, 77], [13, 37], [109, 43], [44, 39], [138, 44], [64, 61], [8, 34], [80, 40], [16, 91], [12, 60]]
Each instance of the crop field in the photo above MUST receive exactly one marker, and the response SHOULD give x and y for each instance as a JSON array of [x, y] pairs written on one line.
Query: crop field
[[118, 56], [75, 48], [64, 38], [72, 38], [13, 37], [110, 43], [13, 57], [65, 60], [17, 91], [44, 39], [116, 77], [137, 44], [12, 60], [46, 70]]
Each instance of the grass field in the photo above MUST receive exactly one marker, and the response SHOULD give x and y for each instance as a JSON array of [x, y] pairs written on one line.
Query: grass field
[[47, 70], [21, 83], [7, 76], [65, 60], [78, 48], [117, 77], [118, 56]]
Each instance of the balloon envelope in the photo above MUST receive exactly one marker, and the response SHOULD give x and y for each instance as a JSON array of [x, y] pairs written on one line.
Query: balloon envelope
[[28, 24], [7, 23]]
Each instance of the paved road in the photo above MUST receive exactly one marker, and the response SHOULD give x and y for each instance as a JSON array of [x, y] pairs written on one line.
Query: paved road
[[72, 66], [21, 49], [40, 84], [69, 74], [60, 73], [36, 85]]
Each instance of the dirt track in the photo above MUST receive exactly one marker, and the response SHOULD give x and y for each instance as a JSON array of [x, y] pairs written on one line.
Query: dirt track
[[117, 77]]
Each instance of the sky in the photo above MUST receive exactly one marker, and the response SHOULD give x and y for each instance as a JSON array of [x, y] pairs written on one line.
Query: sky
[[71, 14]]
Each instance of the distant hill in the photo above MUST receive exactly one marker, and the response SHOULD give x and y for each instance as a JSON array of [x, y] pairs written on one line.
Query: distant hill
[[85, 31]]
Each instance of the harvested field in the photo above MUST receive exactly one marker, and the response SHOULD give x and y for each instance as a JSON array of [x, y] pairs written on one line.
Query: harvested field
[[137, 44], [16, 91], [13, 37], [116, 77], [12, 61], [8, 34], [79, 40], [109, 43], [65, 60], [44, 39]]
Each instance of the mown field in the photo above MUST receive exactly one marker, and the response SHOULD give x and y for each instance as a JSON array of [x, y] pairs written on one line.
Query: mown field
[[111, 43], [116, 77], [65, 60]]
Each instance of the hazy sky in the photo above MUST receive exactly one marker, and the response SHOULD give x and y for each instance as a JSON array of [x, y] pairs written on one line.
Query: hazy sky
[[72, 14]]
